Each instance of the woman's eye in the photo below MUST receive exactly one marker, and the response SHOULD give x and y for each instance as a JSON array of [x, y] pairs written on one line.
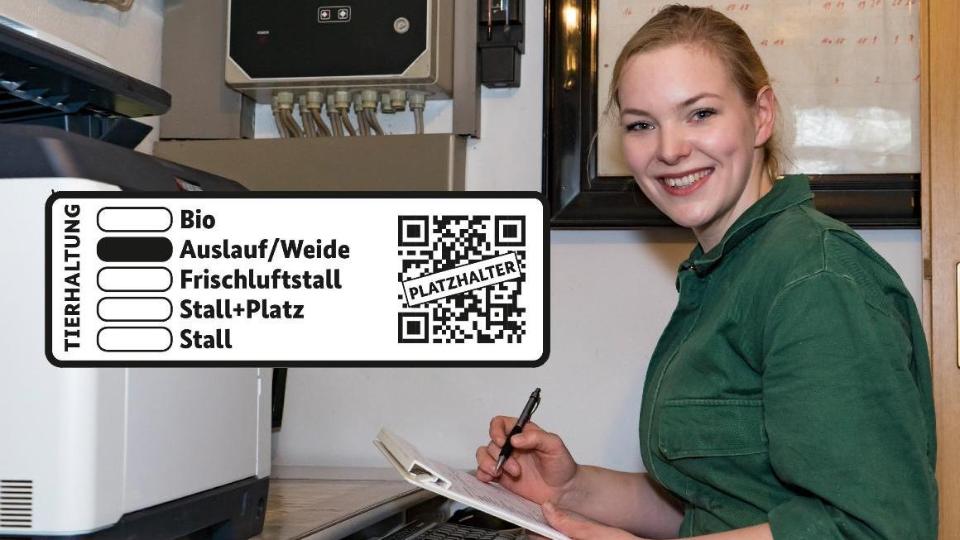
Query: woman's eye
[[703, 114], [638, 126]]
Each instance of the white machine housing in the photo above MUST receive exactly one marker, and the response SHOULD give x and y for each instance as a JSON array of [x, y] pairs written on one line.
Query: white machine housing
[[84, 446]]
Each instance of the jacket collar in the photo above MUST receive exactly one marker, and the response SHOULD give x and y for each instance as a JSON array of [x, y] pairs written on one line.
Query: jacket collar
[[788, 192]]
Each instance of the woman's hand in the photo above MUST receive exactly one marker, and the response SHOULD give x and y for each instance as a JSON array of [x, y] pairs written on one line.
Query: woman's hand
[[578, 527], [540, 468]]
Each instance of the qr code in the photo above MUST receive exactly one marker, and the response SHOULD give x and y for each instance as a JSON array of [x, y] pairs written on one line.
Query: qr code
[[462, 278]]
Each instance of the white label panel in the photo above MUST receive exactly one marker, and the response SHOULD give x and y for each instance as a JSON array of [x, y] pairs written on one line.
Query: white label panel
[[296, 279]]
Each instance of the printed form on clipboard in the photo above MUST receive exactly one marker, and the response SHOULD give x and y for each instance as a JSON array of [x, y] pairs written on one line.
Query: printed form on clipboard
[[463, 487]]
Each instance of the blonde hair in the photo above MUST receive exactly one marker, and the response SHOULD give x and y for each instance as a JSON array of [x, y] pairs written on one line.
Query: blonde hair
[[715, 33]]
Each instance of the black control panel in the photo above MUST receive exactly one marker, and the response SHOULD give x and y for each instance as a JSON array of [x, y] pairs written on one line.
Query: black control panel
[[327, 38]]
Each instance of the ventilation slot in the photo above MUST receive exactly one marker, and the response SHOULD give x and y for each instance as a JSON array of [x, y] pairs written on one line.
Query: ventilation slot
[[16, 504]]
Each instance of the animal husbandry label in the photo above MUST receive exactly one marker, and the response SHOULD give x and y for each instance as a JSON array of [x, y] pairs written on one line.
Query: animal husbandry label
[[296, 279]]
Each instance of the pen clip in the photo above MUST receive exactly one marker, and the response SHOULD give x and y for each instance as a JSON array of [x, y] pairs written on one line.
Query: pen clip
[[536, 405]]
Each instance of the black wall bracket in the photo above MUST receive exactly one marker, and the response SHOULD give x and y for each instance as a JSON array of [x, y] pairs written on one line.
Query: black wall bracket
[[500, 40]]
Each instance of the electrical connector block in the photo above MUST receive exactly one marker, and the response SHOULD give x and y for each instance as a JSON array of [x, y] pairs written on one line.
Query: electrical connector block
[[284, 100], [398, 100], [314, 99], [417, 100], [341, 100], [385, 106], [368, 98]]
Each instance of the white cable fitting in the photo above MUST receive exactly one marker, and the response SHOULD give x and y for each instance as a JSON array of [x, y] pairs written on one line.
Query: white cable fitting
[[417, 100], [302, 99], [398, 100], [331, 103], [341, 99], [369, 99], [385, 105], [357, 102], [314, 99], [285, 100]]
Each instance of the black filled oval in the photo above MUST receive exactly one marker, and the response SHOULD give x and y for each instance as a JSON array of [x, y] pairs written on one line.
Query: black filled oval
[[134, 249]]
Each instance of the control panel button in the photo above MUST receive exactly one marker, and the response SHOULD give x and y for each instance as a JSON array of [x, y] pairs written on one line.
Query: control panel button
[[334, 14]]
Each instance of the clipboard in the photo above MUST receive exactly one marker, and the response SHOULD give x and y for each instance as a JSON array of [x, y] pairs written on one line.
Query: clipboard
[[463, 487]]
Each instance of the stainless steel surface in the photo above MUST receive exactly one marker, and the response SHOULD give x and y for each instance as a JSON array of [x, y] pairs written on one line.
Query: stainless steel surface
[[466, 83]]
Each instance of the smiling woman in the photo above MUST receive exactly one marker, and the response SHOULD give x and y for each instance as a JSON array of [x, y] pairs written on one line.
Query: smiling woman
[[789, 396], [696, 146]]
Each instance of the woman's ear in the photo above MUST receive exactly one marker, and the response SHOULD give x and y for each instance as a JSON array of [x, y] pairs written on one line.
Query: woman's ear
[[764, 115]]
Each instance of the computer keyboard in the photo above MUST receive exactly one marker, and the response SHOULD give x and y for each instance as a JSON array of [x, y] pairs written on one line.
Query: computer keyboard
[[426, 530]]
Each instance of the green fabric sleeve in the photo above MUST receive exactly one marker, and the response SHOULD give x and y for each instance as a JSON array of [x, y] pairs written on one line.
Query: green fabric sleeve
[[802, 518], [844, 417]]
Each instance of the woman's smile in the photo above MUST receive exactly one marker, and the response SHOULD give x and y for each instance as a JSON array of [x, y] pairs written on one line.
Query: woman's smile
[[685, 183]]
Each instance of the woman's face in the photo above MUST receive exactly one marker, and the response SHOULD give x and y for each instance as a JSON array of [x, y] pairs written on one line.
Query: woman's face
[[692, 144]]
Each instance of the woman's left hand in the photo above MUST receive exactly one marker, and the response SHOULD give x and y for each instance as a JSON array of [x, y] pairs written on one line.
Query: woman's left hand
[[578, 527]]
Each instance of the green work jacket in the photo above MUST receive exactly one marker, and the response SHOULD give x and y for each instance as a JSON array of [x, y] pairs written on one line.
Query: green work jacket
[[792, 385]]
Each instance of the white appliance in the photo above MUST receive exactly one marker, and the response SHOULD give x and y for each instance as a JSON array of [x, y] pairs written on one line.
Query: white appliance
[[89, 449], [93, 452]]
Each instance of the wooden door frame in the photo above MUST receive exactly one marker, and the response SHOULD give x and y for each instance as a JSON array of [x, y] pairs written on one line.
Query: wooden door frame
[[940, 192]]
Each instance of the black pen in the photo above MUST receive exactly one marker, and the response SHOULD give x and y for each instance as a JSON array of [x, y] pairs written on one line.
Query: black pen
[[528, 409]]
